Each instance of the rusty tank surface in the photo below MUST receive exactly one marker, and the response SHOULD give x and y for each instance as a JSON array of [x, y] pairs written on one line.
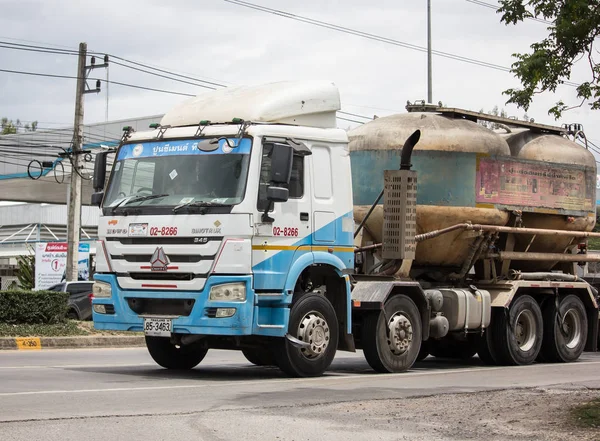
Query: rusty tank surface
[[468, 173]]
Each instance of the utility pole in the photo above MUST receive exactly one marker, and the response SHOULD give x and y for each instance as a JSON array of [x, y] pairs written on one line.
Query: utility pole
[[74, 211], [429, 67]]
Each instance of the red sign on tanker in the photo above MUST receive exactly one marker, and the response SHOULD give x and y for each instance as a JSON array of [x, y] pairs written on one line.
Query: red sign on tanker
[[516, 183]]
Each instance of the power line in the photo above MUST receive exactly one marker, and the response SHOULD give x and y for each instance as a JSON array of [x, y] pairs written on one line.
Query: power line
[[371, 36], [495, 8], [160, 75], [351, 120], [94, 79], [354, 114]]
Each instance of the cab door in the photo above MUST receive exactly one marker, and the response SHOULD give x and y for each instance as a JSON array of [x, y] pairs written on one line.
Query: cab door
[[277, 245]]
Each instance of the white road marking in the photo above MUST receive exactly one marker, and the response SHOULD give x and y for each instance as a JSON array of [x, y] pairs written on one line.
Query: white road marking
[[324, 379]]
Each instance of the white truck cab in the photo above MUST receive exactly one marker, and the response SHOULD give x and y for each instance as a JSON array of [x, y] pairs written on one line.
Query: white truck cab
[[212, 220]]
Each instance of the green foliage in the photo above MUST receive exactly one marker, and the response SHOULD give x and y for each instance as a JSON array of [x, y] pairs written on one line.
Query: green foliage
[[26, 272], [32, 307], [7, 127], [573, 29], [67, 328], [587, 415]]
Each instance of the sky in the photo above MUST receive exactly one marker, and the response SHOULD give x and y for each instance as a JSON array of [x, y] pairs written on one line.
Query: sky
[[228, 44]]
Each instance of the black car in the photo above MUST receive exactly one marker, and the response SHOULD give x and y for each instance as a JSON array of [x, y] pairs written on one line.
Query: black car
[[80, 299]]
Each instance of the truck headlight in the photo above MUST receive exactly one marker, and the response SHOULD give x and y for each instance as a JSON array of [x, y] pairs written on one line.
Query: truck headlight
[[101, 290], [228, 292]]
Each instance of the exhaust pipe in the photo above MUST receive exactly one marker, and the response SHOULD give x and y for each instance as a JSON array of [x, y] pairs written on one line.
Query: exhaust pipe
[[405, 164]]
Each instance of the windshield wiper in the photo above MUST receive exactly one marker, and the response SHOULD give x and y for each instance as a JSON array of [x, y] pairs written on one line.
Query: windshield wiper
[[199, 204], [138, 199]]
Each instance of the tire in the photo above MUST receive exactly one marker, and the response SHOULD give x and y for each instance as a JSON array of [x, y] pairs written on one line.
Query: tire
[[424, 351], [72, 315], [169, 356], [564, 345], [485, 348], [377, 349], [311, 313], [448, 348], [259, 356], [517, 334]]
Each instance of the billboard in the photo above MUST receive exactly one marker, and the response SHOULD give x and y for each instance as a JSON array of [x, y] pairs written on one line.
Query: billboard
[[51, 263]]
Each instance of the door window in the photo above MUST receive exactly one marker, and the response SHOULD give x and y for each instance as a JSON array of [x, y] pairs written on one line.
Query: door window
[[296, 185]]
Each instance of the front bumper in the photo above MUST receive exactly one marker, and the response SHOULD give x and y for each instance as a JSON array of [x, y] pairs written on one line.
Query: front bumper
[[251, 317]]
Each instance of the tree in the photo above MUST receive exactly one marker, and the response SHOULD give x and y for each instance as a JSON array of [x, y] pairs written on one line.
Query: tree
[[574, 26], [10, 128], [26, 272]]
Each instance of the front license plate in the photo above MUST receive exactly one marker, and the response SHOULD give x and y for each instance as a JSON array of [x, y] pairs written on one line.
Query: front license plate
[[158, 327], [138, 230]]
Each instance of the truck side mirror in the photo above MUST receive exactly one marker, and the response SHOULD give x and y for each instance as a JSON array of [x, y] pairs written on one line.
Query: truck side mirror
[[99, 178], [97, 198], [281, 163], [277, 194], [99, 171]]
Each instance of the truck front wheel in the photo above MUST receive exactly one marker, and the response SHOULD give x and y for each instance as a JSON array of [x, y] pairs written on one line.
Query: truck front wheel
[[314, 324], [170, 356], [259, 356], [392, 338]]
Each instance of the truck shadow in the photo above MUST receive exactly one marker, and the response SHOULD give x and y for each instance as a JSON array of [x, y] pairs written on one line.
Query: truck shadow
[[244, 371]]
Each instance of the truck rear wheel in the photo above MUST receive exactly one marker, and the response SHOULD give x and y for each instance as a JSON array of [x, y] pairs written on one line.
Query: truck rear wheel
[[259, 356], [313, 322], [170, 356], [517, 334], [565, 330], [485, 346], [392, 341]]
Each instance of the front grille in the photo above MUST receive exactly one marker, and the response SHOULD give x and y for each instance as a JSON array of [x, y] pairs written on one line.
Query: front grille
[[110, 309], [173, 258], [143, 306], [162, 276], [211, 312]]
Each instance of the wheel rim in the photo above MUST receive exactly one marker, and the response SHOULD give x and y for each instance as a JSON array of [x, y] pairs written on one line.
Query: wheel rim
[[525, 330], [314, 330], [400, 334], [572, 328]]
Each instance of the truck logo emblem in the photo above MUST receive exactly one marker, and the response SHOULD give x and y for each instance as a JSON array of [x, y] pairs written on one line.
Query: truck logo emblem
[[159, 260], [217, 224], [113, 222], [137, 150]]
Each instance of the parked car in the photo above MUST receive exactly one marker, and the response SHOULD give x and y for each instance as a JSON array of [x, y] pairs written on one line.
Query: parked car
[[80, 299]]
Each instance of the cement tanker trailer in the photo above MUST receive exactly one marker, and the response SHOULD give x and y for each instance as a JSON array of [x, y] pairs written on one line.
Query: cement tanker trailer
[[506, 211]]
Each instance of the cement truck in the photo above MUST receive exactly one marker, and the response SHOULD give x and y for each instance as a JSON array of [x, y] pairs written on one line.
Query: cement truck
[[247, 220]]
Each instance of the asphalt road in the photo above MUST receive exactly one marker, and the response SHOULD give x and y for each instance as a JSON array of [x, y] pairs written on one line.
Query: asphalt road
[[111, 394]]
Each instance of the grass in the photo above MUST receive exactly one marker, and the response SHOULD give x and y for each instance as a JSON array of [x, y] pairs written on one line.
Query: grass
[[67, 329], [594, 243], [55, 330], [587, 415]]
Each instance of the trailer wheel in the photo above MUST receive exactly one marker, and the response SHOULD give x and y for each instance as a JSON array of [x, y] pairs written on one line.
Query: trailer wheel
[[392, 341], [565, 330], [170, 356], [259, 356], [314, 322], [517, 334]]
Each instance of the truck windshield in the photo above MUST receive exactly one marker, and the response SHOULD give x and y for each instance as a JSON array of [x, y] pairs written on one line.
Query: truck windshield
[[178, 172]]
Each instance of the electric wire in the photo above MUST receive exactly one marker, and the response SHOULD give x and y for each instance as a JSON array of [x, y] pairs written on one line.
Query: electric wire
[[495, 7], [370, 36]]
